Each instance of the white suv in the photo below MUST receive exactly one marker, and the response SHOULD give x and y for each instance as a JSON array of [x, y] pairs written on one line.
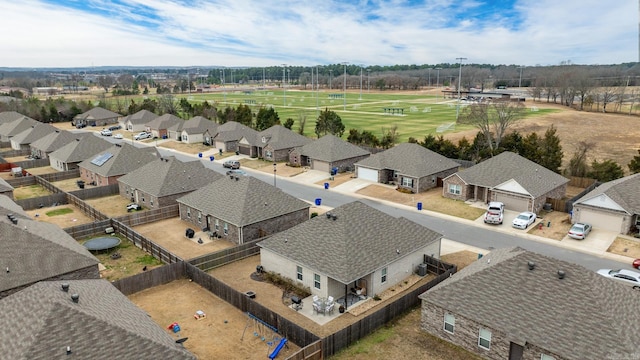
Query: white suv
[[142, 135], [495, 213], [105, 132]]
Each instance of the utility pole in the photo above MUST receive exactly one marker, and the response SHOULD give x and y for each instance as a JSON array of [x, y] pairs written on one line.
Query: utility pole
[[461, 59], [368, 71], [344, 87], [520, 81], [360, 82], [284, 89]]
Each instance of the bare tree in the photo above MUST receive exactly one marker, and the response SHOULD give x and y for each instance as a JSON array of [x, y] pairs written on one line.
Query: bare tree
[[302, 121], [578, 163], [608, 95], [167, 104], [493, 119]]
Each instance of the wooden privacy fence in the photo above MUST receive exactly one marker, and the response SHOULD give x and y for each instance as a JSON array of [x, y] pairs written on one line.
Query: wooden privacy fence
[[581, 182], [22, 181], [148, 279], [47, 185], [13, 152], [43, 201], [96, 192], [222, 257], [86, 209], [566, 205], [312, 351], [27, 164], [62, 175], [86, 230], [145, 217], [145, 244]]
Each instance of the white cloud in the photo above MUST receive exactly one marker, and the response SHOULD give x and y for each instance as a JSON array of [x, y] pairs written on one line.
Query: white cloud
[[262, 33]]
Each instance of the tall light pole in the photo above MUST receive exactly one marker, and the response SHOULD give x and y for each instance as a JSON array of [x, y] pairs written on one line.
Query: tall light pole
[[263, 83], [330, 76], [459, 84], [360, 82], [429, 77], [344, 87], [317, 88], [520, 81], [368, 71], [284, 89], [224, 92], [437, 80]]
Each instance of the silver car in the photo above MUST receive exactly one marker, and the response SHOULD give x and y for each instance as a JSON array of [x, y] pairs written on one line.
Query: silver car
[[628, 277], [579, 231], [142, 135], [524, 220]]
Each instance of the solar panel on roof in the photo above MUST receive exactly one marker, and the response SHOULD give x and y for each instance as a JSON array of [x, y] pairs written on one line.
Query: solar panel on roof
[[101, 159]]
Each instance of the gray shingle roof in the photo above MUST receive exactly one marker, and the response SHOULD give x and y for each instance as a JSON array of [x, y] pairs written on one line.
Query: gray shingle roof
[[38, 252], [8, 206], [198, 125], [125, 159], [10, 129], [409, 159], [80, 149], [97, 113], [234, 131], [140, 118], [331, 148], [242, 202], [583, 316], [34, 133], [9, 116], [360, 232], [623, 191], [5, 186], [42, 320], [165, 121], [56, 140], [279, 137], [169, 176], [536, 179]]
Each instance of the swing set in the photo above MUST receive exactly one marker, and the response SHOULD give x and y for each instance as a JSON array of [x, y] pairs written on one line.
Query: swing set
[[262, 330]]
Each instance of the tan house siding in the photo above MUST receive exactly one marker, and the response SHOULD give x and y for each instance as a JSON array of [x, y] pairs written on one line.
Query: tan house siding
[[465, 190]]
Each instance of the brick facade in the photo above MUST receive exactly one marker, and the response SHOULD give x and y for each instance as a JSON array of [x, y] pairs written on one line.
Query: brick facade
[[148, 200]]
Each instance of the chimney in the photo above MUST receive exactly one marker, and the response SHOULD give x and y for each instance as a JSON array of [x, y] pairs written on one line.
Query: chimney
[[75, 298], [65, 287], [561, 274], [531, 265]]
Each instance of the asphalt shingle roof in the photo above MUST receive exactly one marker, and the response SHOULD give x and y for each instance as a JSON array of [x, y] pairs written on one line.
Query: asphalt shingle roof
[[9, 116], [8, 206], [279, 137], [41, 321], [56, 140], [140, 118], [169, 176], [623, 191], [34, 133], [361, 240], [80, 149], [242, 201], [198, 125], [409, 159], [34, 251], [583, 316], [535, 178], [234, 131], [125, 159], [97, 113], [164, 122], [10, 129], [331, 148]]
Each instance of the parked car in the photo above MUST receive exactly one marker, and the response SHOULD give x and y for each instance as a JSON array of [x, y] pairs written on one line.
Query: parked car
[[524, 219], [80, 125], [636, 263], [232, 164], [142, 135], [579, 231], [105, 132], [236, 172], [628, 277], [115, 127], [133, 207], [117, 136], [495, 213]]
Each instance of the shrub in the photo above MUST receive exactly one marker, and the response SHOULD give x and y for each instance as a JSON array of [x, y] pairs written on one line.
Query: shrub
[[314, 214], [404, 190], [287, 284]]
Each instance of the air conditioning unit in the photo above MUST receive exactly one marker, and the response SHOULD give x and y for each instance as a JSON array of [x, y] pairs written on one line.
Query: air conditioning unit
[[422, 269]]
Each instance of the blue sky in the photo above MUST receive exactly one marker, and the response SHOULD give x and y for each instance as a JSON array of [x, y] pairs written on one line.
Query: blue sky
[[71, 33]]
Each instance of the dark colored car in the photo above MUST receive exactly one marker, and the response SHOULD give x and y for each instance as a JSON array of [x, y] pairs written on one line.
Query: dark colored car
[[115, 127]]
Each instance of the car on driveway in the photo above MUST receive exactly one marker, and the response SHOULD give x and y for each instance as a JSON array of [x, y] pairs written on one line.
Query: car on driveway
[[495, 213], [523, 220], [232, 164], [115, 127], [105, 132], [636, 263], [628, 277], [133, 207], [142, 135], [579, 231], [117, 136]]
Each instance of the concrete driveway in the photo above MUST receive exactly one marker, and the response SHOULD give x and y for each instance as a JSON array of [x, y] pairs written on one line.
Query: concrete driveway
[[598, 240], [509, 215]]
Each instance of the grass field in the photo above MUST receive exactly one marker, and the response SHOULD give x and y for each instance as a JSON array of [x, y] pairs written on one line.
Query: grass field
[[423, 114]]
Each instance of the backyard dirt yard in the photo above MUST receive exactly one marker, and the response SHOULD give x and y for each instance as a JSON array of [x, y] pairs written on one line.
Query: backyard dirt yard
[[76, 217], [170, 234], [219, 335], [615, 137], [112, 206]]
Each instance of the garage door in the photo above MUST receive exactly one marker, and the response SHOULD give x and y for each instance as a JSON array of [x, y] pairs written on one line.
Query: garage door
[[367, 174], [321, 166], [513, 202], [600, 220], [244, 149]]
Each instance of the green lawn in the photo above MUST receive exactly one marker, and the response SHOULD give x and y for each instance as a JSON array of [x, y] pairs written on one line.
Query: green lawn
[[61, 211]]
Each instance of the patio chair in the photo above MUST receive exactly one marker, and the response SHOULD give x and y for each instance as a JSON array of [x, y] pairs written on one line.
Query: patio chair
[[329, 309], [316, 308], [330, 300]]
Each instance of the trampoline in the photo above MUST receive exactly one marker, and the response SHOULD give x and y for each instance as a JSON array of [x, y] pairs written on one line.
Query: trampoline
[[102, 243]]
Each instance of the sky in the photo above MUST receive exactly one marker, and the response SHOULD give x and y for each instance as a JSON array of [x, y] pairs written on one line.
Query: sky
[[234, 33]]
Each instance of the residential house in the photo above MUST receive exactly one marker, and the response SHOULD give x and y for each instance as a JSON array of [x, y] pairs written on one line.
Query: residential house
[[611, 206], [327, 153], [228, 135], [160, 182], [107, 166], [242, 208], [82, 148], [15, 127], [409, 166], [5, 188], [42, 147], [517, 304], [9, 207], [159, 127], [83, 319], [10, 116], [354, 245], [272, 144], [194, 129], [519, 183], [137, 122], [32, 251], [96, 117], [37, 131]]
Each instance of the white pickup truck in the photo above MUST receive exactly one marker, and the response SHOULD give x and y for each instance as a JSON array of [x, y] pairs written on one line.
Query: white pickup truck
[[495, 213]]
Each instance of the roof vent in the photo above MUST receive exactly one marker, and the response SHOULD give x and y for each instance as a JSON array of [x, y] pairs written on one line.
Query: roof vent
[[531, 265], [75, 298], [334, 217], [231, 177], [328, 215], [68, 350], [561, 274], [118, 145], [237, 178], [65, 287], [7, 269]]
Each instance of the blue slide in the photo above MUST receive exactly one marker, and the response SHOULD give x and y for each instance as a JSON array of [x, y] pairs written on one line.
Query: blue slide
[[278, 348]]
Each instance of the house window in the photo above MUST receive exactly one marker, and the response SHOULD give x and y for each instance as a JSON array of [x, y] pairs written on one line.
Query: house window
[[226, 229], [299, 272], [189, 213], [407, 182], [433, 179], [546, 357], [383, 278], [455, 189], [484, 339], [151, 202], [316, 281], [217, 225], [199, 217], [449, 323]]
